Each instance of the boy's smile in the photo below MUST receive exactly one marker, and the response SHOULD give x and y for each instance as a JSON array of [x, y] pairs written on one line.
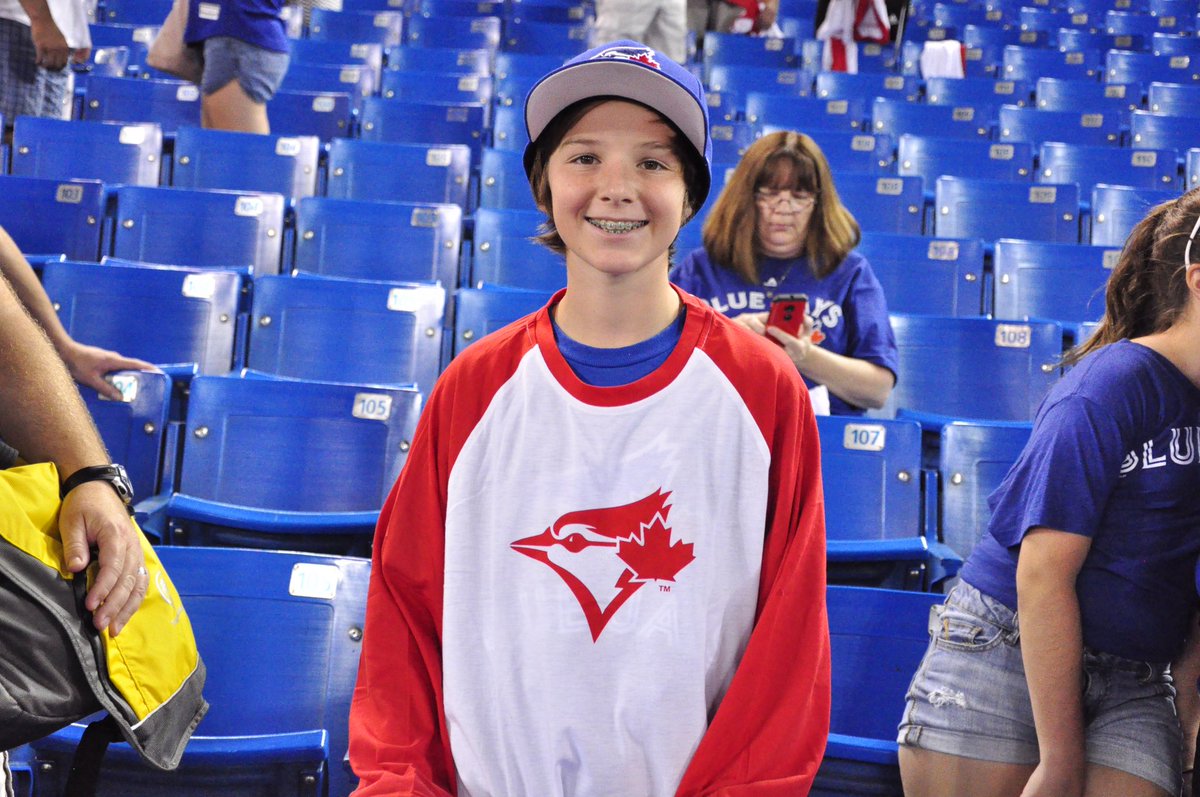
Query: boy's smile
[[617, 190]]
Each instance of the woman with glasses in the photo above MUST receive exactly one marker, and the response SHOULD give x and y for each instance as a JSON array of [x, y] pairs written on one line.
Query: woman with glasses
[[778, 228]]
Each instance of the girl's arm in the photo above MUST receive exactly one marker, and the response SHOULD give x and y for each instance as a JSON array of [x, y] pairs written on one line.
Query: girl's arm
[[1052, 649]]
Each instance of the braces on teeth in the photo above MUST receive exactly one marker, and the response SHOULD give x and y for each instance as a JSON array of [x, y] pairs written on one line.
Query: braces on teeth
[[616, 226]]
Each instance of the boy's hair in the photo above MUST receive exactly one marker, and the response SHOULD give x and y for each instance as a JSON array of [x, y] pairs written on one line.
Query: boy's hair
[[538, 158], [785, 160], [1147, 290]]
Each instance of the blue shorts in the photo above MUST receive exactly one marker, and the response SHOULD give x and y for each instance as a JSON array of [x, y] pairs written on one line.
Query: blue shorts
[[258, 71], [969, 697]]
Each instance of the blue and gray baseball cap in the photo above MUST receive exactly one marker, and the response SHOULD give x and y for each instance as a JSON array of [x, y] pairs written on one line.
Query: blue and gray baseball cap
[[626, 70]]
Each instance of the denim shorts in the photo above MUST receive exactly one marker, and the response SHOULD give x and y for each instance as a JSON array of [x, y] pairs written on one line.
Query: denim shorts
[[969, 697], [257, 70]]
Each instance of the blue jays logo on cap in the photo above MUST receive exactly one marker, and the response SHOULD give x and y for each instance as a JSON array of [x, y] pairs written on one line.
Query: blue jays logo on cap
[[643, 55]]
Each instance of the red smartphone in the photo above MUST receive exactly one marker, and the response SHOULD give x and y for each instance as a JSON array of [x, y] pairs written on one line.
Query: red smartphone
[[787, 313]]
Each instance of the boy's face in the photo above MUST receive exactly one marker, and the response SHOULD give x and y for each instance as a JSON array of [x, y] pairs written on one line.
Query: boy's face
[[617, 190]]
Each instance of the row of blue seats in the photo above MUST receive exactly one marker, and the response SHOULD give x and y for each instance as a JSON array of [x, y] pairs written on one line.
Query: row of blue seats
[[281, 634]]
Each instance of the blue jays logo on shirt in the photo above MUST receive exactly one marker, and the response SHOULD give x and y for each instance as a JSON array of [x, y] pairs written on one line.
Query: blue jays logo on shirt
[[643, 55]]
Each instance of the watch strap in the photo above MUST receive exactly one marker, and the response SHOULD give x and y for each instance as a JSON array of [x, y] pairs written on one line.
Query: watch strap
[[113, 474]]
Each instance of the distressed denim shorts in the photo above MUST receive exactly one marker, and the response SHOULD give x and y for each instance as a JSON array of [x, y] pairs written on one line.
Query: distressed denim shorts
[[259, 71], [969, 697]]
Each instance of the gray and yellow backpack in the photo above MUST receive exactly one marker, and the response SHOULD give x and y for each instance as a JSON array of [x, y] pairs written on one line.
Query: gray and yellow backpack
[[55, 668]]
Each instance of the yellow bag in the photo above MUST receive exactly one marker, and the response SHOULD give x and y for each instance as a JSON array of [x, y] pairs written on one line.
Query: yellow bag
[[149, 679]]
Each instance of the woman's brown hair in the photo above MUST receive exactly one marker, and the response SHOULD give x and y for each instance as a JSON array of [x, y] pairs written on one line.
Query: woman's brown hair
[[556, 131], [1147, 290], [786, 160]]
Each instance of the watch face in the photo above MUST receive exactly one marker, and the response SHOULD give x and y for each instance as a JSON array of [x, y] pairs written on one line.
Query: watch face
[[120, 482]]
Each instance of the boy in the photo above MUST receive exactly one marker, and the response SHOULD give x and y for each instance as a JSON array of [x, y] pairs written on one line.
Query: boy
[[602, 571]]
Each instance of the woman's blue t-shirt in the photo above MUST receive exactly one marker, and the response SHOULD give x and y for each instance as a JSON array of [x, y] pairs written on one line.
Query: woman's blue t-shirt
[[847, 308], [1114, 456]]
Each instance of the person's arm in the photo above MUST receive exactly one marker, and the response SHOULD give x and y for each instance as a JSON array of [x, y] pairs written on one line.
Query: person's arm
[[43, 417], [768, 736], [1186, 672], [49, 44], [399, 739], [87, 364], [857, 382], [1052, 650]]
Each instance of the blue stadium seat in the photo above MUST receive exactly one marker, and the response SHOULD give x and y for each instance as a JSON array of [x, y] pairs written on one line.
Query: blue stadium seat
[[1088, 96], [135, 428], [246, 162], [976, 91], [1043, 18], [462, 33], [516, 73], [973, 458], [730, 140], [375, 5], [972, 368], [389, 241], [985, 47], [505, 255], [481, 311], [1173, 99], [47, 217], [170, 103], [1191, 173], [508, 128], [420, 86], [183, 227], [1122, 22], [404, 122], [1152, 131], [459, 8], [288, 463], [357, 80], [109, 61], [135, 12], [1174, 44], [733, 49], [741, 80], [346, 330], [502, 181], [531, 36], [852, 152], [389, 172], [877, 638], [326, 115], [135, 38], [965, 207], [112, 153], [339, 53], [929, 158], [1087, 166], [1030, 63], [1117, 208], [381, 27], [919, 274], [159, 314], [896, 117], [550, 11], [280, 634], [843, 85], [957, 16], [447, 60], [884, 204], [1060, 282], [1122, 66], [871, 470], [806, 113], [1072, 39], [1174, 15], [1033, 125]]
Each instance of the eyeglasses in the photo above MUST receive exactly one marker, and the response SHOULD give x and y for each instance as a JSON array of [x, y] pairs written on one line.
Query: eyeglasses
[[772, 200]]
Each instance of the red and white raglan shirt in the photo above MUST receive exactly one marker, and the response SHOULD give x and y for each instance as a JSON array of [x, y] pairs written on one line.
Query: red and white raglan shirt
[[584, 591]]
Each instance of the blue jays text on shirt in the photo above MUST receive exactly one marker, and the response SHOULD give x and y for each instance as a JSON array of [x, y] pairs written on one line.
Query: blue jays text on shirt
[[1182, 450], [824, 313]]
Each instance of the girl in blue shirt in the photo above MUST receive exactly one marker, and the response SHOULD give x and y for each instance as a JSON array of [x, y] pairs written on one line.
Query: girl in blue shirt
[[1093, 544], [801, 243]]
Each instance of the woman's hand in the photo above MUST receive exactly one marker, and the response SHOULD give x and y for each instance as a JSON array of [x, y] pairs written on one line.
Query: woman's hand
[[796, 346]]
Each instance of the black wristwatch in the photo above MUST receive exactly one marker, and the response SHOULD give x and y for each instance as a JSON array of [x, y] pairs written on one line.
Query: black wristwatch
[[114, 474]]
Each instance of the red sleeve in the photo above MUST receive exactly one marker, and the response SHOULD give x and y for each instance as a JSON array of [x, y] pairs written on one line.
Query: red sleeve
[[399, 741], [768, 736]]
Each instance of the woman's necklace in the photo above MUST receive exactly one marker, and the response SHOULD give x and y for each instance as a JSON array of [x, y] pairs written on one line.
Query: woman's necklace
[[772, 284]]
